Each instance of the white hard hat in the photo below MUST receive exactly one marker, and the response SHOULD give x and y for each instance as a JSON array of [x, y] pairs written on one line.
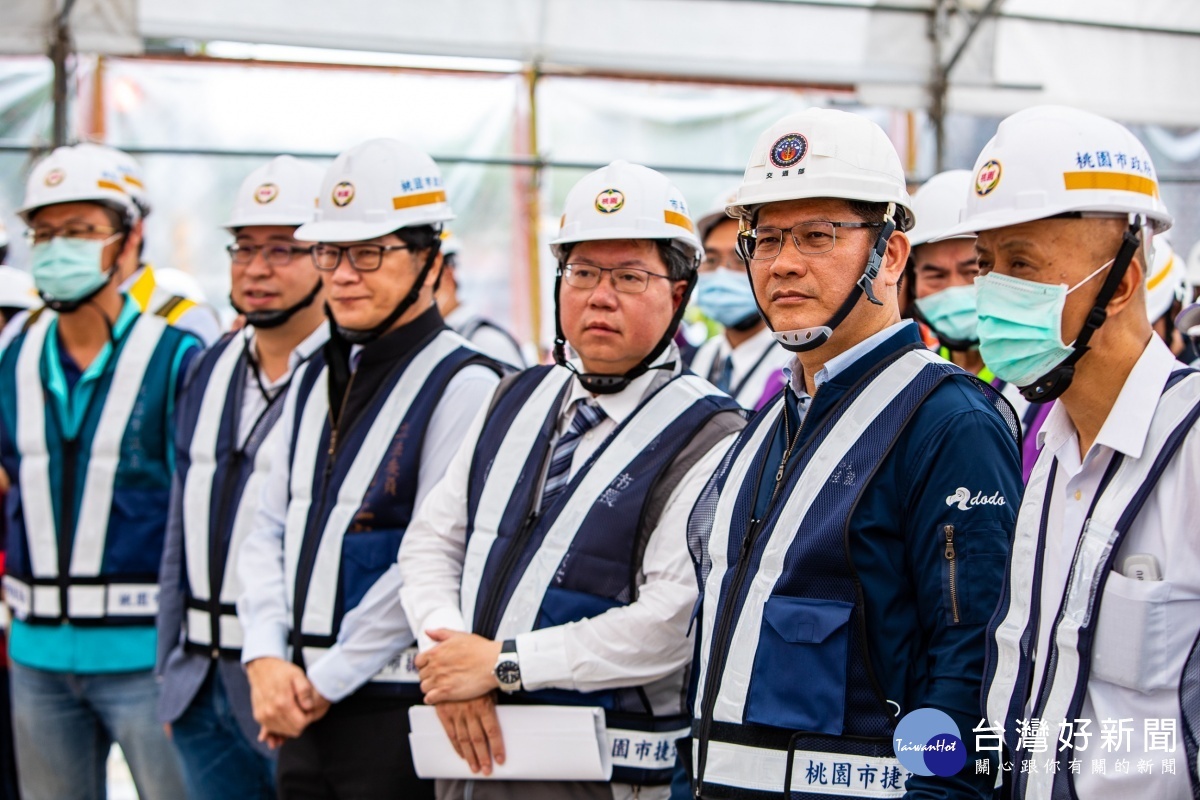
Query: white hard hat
[[132, 177], [1051, 160], [938, 205], [281, 192], [375, 188], [716, 212], [822, 152], [17, 289], [1165, 279], [626, 201], [78, 174]]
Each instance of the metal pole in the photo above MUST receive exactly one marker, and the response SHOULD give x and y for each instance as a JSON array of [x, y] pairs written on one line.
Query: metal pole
[[60, 50], [533, 208]]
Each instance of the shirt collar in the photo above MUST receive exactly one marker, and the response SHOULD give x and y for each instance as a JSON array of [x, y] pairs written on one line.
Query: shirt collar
[[300, 353], [749, 351], [794, 371], [1128, 422], [461, 314], [620, 405]]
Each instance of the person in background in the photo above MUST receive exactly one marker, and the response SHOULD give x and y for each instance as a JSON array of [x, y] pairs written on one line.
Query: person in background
[[1166, 292], [487, 336], [225, 431], [743, 359], [87, 401], [368, 427]]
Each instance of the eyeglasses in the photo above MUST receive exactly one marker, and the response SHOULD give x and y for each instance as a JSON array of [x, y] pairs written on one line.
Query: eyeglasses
[[714, 263], [363, 257], [277, 255], [810, 238], [625, 279], [69, 231]]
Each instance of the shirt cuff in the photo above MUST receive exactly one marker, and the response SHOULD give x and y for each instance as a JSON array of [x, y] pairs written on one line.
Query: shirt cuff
[[542, 655], [444, 617], [269, 640], [334, 677]]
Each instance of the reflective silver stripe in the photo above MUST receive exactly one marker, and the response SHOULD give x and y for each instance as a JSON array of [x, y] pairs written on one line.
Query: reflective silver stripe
[[199, 629], [323, 585], [400, 669], [202, 455], [87, 553], [1024, 564], [655, 415], [718, 542], [501, 483], [303, 464], [813, 772], [36, 499], [1097, 541], [853, 424], [643, 749]]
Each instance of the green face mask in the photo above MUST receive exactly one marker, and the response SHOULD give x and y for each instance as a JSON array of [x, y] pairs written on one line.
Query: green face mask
[[1020, 325], [67, 270], [951, 313]]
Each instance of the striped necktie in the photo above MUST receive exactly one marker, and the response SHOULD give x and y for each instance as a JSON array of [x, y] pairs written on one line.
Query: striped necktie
[[587, 416]]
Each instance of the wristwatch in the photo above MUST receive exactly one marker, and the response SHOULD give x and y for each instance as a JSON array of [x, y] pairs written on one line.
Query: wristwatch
[[508, 668]]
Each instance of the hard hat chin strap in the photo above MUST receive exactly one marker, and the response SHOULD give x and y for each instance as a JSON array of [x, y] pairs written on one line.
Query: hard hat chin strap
[[598, 383], [354, 336], [265, 320], [1051, 385], [801, 340]]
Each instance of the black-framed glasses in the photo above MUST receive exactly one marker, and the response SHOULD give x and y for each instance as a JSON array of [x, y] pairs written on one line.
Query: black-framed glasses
[[629, 280], [277, 255], [363, 257], [72, 230], [811, 238]]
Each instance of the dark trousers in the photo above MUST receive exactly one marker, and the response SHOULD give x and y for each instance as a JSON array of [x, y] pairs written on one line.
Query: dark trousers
[[358, 751]]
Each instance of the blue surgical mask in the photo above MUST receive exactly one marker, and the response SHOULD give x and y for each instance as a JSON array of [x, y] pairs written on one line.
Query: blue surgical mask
[[1020, 325], [725, 296], [951, 313], [67, 270]]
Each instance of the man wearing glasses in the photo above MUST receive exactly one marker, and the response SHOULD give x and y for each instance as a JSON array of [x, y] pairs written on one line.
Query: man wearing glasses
[[87, 400], [368, 426], [744, 360], [550, 565], [851, 548], [225, 431]]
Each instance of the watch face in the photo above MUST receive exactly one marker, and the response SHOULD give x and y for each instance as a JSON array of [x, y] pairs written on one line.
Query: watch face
[[508, 673]]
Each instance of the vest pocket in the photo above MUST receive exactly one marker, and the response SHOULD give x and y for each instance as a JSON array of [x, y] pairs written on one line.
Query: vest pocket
[[1131, 647], [799, 676]]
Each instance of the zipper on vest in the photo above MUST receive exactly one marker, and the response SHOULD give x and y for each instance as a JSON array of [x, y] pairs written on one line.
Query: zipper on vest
[[725, 623], [66, 529], [488, 621], [953, 564]]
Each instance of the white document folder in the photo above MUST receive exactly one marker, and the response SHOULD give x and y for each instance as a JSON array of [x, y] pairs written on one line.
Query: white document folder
[[541, 743]]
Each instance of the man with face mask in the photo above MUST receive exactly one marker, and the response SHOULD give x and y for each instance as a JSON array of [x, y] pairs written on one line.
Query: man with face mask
[[1098, 626], [550, 565], [744, 360], [87, 398], [368, 426], [834, 544], [226, 431]]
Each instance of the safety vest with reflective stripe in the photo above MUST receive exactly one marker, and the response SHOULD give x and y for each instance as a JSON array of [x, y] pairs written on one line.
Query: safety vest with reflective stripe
[[88, 515], [787, 697], [580, 557], [1053, 686], [348, 512]]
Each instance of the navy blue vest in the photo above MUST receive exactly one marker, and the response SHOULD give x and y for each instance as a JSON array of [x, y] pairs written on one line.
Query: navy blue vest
[[812, 688], [600, 568]]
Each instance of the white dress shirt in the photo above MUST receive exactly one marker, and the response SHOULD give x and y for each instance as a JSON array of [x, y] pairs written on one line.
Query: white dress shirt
[[760, 355], [253, 401], [375, 630], [1147, 626], [626, 646]]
